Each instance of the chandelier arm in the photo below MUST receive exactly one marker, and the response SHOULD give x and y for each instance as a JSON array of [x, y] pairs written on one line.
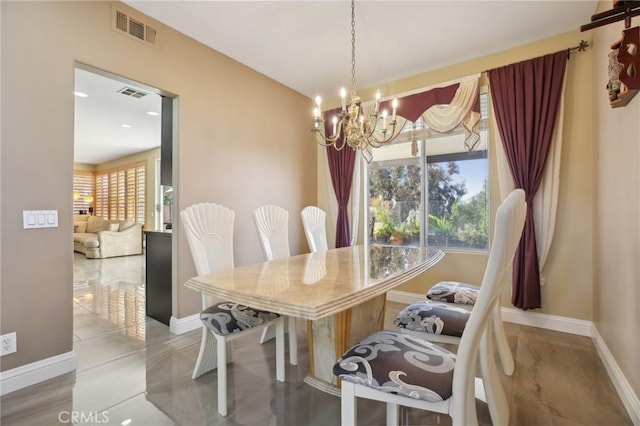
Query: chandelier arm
[[330, 140], [378, 142], [324, 141]]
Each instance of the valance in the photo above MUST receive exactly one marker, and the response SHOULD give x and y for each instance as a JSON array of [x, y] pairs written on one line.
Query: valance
[[443, 109]]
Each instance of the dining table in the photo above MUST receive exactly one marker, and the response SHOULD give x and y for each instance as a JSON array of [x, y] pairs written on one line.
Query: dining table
[[340, 292]]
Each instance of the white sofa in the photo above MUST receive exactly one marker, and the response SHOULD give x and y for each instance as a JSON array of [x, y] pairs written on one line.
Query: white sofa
[[99, 238]]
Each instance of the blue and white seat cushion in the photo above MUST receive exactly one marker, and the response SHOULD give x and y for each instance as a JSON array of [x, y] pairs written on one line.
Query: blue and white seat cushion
[[400, 364], [454, 292], [434, 318], [227, 317]]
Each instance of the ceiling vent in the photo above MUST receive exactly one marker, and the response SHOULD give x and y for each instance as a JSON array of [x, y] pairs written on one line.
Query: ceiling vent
[[134, 93], [132, 27]]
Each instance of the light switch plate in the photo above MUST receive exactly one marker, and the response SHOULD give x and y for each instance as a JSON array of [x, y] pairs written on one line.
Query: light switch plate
[[39, 219]]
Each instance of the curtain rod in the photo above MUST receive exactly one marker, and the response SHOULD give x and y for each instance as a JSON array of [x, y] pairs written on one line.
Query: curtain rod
[[580, 48]]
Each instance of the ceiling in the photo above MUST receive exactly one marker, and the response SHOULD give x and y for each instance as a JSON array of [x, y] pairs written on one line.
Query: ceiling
[[306, 44], [100, 116]]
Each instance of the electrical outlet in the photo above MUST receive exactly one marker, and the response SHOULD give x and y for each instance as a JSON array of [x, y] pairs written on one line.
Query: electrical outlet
[[8, 344]]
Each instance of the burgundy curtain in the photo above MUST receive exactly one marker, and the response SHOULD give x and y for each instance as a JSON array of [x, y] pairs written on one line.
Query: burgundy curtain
[[341, 164], [526, 97]]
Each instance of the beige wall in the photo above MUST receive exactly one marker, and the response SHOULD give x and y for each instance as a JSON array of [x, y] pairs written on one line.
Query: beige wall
[[243, 141], [616, 205], [569, 285], [150, 157]]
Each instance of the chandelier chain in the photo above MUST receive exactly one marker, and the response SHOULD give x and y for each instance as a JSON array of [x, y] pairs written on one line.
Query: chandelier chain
[[353, 46]]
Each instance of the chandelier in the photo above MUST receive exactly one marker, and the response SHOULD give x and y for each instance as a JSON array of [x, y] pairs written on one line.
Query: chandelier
[[351, 126]]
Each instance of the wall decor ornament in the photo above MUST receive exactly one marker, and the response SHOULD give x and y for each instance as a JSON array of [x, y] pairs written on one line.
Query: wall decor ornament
[[624, 79], [624, 74]]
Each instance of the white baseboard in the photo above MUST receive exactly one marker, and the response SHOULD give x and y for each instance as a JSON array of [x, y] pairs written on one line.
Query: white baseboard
[[627, 395], [549, 322], [36, 372], [566, 325], [184, 325]]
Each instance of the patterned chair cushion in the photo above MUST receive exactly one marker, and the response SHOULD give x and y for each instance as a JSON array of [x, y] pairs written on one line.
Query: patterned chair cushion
[[434, 318], [454, 292], [400, 364], [228, 317]]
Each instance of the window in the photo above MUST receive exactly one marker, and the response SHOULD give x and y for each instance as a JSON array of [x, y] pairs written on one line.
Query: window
[[438, 198], [457, 206], [82, 189], [120, 192]]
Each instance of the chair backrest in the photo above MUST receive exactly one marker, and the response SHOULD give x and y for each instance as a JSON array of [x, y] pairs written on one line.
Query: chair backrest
[[508, 227], [313, 222], [209, 230], [272, 223]]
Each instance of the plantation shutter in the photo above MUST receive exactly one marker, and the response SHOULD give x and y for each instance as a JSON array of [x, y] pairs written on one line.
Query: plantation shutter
[[120, 192], [82, 186], [140, 192], [102, 196], [113, 195]]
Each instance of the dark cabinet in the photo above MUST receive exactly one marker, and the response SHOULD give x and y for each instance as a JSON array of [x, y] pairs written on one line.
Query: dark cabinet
[[166, 142], [158, 273]]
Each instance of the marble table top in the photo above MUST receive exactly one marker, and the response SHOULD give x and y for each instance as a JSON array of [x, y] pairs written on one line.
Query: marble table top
[[316, 285]]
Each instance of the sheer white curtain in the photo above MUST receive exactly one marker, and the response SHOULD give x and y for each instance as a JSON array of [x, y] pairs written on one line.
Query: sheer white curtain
[[545, 201]]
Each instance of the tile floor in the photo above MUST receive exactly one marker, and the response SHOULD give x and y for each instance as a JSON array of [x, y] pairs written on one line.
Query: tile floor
[[131, 370]]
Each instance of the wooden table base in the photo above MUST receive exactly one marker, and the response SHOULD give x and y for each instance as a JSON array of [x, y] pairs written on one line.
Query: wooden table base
[[330, 337]]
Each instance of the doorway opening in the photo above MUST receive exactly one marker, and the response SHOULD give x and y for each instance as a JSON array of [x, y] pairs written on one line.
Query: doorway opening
[[118, 144]]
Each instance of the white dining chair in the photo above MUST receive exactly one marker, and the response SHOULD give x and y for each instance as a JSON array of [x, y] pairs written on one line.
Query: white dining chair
[[272, 224], [443, 317], [209, 231], [402, 369], [313, 222]]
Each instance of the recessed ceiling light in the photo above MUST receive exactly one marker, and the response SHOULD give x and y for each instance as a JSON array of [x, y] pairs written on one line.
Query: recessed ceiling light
[[80, 94], [153, 113], [126, 126]]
